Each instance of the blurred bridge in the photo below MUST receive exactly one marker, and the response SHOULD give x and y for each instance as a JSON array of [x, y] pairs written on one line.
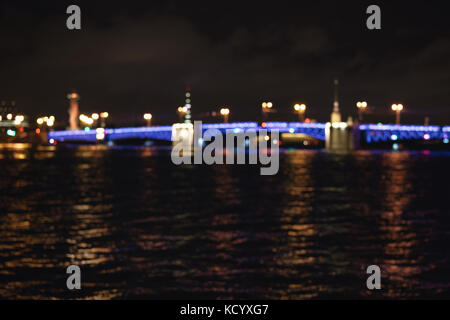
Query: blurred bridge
[[368, 133]]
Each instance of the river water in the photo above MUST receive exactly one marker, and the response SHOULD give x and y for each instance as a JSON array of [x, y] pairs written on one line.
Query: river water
[[140, 227]]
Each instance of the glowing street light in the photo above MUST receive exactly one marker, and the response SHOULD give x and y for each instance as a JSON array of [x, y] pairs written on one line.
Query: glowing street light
[[9, 116], [148, 117], [86, 120], [266, 108], [48, 121], [19, 119], [398, 108], [104, 116], [225, 112], [182, 112], [361, 105], [300, 109]]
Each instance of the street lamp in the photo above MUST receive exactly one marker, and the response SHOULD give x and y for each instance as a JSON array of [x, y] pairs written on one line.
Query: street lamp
[[50, 121], [300, 109], [398, 108], [361, 108], [225, 112], [86, 120], [95, 117], [181, 112], [266, 108], [103, 117], [148, 117], [18, 120]]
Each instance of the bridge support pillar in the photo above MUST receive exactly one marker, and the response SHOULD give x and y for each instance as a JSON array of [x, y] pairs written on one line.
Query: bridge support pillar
[[340, 136], [183, 135]]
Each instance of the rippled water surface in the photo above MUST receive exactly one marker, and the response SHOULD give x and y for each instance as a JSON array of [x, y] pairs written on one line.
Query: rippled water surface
[[141, 227]]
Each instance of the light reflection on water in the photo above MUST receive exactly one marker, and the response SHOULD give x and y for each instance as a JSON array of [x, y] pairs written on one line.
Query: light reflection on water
[[141, 227]]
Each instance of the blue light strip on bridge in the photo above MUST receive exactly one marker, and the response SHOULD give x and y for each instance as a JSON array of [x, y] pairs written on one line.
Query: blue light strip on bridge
[[372, 132]]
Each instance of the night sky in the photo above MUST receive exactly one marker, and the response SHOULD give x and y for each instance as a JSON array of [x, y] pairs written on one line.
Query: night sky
[[132, 57]]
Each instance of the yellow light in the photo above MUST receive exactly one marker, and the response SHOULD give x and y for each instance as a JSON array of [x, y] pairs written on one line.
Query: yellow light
[[182, 109], [50, 123], [104, 115], [9, 116], [267, 138], [224, 111], [359, 104], [297, 107], [399, 107], [264, 104], [40, 121], [46, 119], [364, 104], [269, 105], [148, 116], [95, 116], [1, 118], [83, 118], [394, 107], [302, 107]]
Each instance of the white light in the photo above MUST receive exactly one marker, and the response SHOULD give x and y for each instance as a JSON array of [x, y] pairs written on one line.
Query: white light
[[184, 133], [100, 134]]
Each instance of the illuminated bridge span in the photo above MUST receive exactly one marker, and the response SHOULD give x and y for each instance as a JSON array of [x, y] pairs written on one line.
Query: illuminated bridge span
[[164, 133], [370, 133], [381, 133]]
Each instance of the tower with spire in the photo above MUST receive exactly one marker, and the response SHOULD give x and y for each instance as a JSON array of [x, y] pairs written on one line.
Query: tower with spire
[[188, 105], [336, 114]]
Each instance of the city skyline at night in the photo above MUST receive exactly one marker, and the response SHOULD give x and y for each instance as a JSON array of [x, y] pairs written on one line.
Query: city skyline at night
[[140, 59]]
